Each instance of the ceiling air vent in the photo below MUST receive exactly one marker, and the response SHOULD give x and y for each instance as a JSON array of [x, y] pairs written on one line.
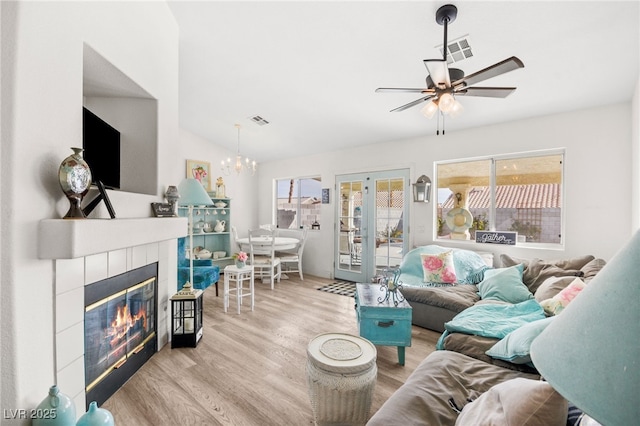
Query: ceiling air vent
[[459, 49], [259, 120]]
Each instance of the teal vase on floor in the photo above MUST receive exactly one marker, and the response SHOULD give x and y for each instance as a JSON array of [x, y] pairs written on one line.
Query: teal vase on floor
[[57, 409], [96, 417]]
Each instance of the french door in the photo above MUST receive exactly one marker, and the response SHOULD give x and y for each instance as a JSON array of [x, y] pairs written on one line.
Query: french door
[[371, 231]]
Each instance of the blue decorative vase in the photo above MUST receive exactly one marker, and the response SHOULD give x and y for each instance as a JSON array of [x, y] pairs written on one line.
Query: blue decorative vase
[[57, 409], [96, 417], [240, 265]]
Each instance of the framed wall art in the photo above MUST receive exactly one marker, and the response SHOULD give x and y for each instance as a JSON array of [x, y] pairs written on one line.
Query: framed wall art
[[200, 171]]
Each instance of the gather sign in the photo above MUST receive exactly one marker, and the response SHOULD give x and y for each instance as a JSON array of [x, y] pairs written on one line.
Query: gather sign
[[497, 237]]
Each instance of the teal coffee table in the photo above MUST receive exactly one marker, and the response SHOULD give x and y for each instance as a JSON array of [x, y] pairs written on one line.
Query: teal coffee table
[[383, 323]]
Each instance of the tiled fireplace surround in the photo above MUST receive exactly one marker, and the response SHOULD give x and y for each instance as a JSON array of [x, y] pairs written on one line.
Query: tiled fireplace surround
[[86, 251]]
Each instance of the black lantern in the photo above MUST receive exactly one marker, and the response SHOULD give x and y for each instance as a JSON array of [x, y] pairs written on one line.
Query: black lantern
[[186, 317], [422, 190]]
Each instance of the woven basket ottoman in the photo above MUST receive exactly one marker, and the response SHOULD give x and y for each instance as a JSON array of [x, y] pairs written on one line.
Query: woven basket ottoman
[[341, 374]]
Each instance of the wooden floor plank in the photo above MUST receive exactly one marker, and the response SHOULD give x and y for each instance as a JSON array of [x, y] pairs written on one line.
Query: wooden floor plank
[[249, 369]]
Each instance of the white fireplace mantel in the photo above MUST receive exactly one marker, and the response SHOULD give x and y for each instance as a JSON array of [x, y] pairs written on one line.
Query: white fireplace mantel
[[73, 238]]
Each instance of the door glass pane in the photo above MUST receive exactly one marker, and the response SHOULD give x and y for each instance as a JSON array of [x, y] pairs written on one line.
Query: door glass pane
[[389, 223], [349, 232]]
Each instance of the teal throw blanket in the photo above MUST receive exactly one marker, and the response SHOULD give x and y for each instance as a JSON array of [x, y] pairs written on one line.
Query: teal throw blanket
[[492, 320]]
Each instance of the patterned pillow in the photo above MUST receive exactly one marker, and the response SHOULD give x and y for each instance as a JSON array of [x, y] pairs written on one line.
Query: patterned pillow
[[557, 303], [439, 268]]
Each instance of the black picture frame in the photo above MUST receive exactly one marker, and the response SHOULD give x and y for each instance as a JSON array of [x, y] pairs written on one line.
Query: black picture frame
[[325, 195], [102, 196], [163, 209]]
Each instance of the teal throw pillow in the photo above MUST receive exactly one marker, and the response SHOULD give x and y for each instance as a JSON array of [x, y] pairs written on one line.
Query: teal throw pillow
[[504, 284], [515, 346]]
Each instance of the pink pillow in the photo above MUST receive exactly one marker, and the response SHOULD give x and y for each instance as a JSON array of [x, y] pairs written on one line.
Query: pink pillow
[[557, 303], [438, 268]]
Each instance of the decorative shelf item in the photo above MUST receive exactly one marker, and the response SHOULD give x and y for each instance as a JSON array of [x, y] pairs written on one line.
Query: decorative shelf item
[[74, 176]]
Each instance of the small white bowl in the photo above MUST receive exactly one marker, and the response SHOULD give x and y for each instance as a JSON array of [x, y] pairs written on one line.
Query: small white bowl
[[204, 254], [220, 204], [219, 254]]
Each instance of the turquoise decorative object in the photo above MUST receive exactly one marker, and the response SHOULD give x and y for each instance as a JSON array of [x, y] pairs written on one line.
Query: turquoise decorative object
[[96, 417], [240, 264], [57, 409]]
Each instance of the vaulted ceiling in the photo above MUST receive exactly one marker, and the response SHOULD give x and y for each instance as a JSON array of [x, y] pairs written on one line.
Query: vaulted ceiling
[[310, 68]]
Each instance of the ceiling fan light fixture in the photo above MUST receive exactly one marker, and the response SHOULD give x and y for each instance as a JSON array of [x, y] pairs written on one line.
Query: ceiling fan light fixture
[[446, 102], [430, 109], [456, 109]]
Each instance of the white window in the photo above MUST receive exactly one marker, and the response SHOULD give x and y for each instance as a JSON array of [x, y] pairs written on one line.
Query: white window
[[298, 202], [517, 192]]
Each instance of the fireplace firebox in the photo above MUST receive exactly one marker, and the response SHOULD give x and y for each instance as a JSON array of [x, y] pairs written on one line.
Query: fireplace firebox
[[120, 323]]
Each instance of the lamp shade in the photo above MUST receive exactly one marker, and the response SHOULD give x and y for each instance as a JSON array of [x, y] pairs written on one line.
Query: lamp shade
[[192, 193], [590, 352]]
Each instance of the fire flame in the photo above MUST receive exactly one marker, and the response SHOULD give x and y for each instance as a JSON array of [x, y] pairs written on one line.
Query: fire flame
[[124, 321]]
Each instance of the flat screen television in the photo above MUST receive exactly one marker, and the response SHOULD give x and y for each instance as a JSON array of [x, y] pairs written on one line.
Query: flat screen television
[[101, 144]]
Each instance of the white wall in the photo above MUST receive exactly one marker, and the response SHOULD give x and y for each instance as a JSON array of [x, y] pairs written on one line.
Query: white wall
[[42, 89], [598, 174]]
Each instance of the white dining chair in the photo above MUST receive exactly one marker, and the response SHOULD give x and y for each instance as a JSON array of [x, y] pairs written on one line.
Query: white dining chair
[[292, 259], [234, 236], [263, 256]]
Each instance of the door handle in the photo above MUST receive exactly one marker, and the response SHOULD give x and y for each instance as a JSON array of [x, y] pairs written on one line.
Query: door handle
[[385, 324]]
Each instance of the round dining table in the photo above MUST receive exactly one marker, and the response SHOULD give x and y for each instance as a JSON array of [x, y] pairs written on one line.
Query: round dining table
[[281, 243]]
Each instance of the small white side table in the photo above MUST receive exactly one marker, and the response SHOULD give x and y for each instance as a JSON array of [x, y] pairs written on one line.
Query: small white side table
[[341, 374], [239, 275]]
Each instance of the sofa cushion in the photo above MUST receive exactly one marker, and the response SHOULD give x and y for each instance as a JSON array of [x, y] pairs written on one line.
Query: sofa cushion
[[552, 286], [468, 265], [557, 303], [536, 271], [438, 268], [504, 284], [518, 401], [591, 269], [455, 298], [515, 346], [442, 378]]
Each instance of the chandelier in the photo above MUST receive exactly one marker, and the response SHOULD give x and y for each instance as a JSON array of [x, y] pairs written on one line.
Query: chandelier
[[239, 165]]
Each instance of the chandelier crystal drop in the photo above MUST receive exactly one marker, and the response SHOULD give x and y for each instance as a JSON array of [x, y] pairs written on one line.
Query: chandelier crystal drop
[[239, 165]]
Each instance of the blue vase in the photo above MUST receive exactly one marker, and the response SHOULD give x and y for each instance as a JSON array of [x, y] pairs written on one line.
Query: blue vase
[[96, 417], [57, 409], [240, 265]]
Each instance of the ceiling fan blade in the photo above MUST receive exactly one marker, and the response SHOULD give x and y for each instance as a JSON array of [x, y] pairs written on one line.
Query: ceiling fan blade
[[487, 92], [494, 70], [438, 71], [411, 104], [401, 90]]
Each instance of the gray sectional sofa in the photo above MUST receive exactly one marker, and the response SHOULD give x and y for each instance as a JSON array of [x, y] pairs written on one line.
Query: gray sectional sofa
[[460, 384]]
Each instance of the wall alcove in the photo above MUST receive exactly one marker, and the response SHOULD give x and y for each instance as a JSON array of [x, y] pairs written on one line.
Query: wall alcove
[[117, 99]]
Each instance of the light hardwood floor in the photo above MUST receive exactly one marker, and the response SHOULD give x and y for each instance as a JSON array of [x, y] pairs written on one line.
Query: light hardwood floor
[[249, 369]]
